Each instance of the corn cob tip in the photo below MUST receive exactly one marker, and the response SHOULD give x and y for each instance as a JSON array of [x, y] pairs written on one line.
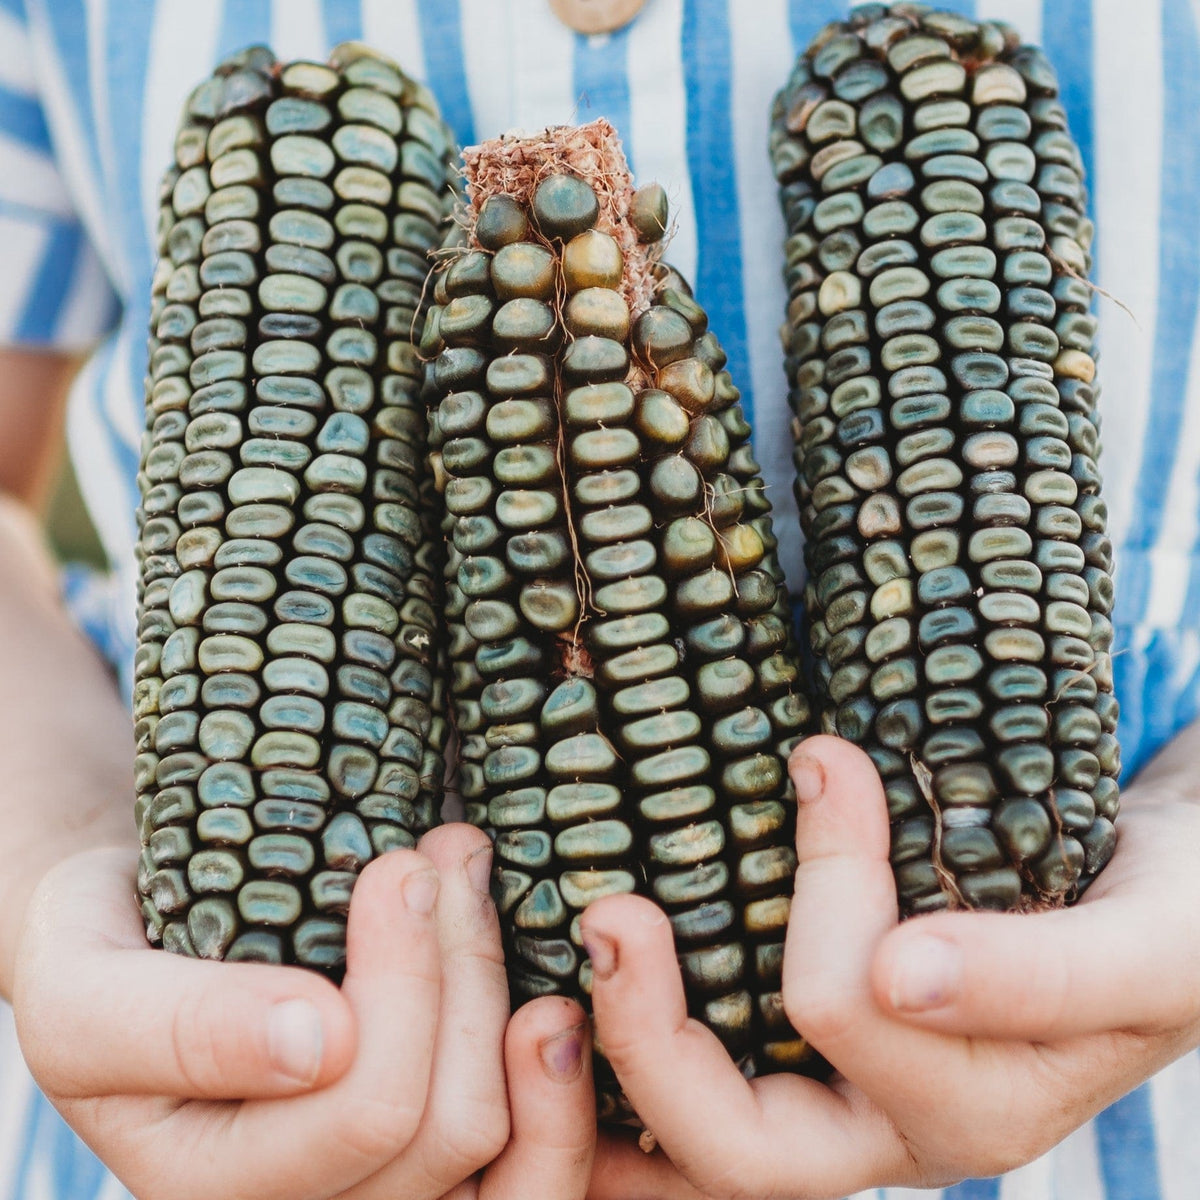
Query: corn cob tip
[[511, 170]]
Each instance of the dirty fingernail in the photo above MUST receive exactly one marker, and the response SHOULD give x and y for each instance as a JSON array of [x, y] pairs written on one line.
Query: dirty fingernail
[[478, 866], [562, 1054]]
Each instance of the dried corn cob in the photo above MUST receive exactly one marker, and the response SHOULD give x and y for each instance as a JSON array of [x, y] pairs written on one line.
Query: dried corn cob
[[941, 362], [625, 685], [289, 721]]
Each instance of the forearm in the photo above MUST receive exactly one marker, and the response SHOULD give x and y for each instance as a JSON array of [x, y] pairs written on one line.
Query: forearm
[[65, 738]]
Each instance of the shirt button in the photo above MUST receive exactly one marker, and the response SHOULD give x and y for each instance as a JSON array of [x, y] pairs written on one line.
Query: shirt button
[[596, 16]]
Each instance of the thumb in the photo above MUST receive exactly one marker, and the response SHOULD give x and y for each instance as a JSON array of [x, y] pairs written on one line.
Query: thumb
[[1108, 965], [101, 1013]]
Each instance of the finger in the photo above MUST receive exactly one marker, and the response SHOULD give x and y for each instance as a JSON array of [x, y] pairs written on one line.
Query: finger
[[321, 1144], [844, 905], [845, 899], [101, 1013], [1111, 965], [465, 1124], [709, 1120], [645, 1032], [468, 1086], [548, 1054]]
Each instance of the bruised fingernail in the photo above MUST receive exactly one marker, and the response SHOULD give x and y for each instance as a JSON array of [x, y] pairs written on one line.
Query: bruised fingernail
[[926, 975], [808, 778], [603, 953], [420, 892], [295, 1040], [478, 866], [562, 1054]]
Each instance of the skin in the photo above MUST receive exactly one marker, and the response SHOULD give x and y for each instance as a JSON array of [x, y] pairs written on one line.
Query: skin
[[966, 1044], [195, 1079]]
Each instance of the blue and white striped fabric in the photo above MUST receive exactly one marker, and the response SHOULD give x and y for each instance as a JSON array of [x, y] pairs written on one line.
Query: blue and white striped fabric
[[89, 94]]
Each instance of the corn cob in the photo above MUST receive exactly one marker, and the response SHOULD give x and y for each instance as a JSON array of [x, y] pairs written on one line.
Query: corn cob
[[940, 356], [288, 717], [624, 679]]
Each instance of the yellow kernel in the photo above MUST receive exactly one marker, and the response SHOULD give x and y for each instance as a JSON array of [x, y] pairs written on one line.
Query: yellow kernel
[[1074, 364], [740, 548], [840, 291], [893, 599]]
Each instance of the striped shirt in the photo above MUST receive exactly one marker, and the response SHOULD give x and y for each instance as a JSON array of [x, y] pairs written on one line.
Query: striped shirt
[[89, 94]]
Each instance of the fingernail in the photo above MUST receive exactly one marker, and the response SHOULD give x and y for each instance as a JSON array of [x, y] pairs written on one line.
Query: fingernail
[[295, 1040], [420, 892], [562, 1054], [478, 866], [808, 777], [603, 953], [928, 975]]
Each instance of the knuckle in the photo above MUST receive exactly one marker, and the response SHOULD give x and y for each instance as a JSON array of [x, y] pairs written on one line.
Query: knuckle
[[484, 951], [494, 1136], [389, 869], [490, 1138], [377, 1130], [819, 1013], [466, 1146], [195, 1044], [619, 1044]]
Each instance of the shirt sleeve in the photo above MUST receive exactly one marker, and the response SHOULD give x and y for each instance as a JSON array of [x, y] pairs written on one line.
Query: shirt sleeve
[[54, 291]]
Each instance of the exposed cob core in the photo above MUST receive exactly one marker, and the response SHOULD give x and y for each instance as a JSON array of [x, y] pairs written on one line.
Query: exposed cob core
[[941, 362], [289, 721], [625, 686]]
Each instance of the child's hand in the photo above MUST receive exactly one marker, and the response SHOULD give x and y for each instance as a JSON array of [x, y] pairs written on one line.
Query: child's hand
[[197, 1079], [966, 1044]]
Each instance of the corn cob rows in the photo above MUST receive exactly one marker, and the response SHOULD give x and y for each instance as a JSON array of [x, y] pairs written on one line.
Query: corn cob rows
[[289, 720], [940, 355], [625, 683]]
